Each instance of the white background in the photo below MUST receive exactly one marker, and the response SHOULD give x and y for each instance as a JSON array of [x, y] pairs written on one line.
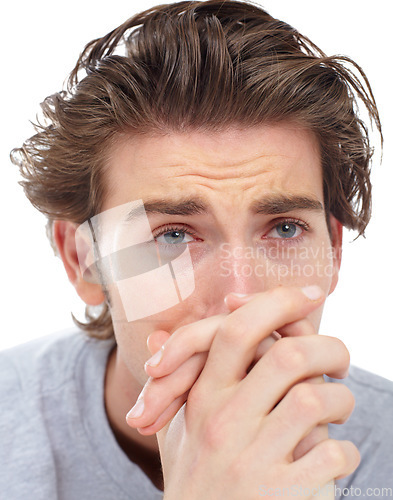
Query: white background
[[40, 42]]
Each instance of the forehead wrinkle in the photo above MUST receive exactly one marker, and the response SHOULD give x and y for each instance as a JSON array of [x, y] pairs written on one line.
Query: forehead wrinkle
[[225, 172]]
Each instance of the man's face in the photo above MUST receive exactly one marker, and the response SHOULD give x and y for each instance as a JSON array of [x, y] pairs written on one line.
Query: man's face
[[260, 223]]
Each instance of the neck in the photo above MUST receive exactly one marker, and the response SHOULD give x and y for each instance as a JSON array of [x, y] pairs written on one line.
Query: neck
[[121, 392]]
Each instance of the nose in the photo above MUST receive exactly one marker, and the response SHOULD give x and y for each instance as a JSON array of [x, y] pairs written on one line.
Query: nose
[[236, 268]]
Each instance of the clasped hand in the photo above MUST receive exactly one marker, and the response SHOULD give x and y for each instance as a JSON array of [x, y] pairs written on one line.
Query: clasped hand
[[235, 408]]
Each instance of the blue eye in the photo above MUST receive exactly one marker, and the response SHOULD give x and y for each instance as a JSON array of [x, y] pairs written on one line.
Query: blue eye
[[285, 230], [174, 237]]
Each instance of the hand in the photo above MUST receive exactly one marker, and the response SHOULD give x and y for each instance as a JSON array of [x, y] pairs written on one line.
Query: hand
[[186, 352], [230, 428]]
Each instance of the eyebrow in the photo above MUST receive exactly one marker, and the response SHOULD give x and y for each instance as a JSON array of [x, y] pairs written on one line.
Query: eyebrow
[[270, 205], [185, 206], [281, 204]]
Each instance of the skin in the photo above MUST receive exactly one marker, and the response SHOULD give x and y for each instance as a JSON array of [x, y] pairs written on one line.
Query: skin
[[213, 329]]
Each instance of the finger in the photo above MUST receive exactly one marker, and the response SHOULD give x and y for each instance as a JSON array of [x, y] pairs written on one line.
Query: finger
[[186, 341], [235, 300], [159, 394], [165, 417], [198, 337], [239, 333], [159, 399], [301, 327], [262, 349], [318, 434], [156, 340], [296, 329], [300, 411], [289, 361], [330, 459]]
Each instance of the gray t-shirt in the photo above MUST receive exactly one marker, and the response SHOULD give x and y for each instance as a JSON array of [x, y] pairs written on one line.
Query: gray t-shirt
[[56, 442]]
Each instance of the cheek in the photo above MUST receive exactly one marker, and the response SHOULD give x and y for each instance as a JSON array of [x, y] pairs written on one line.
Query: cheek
[[162, 302], [307, 266], [301, 266]]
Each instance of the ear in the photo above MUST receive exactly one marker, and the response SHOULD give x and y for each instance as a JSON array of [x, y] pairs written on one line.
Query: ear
[[64, 236], [336, 238]]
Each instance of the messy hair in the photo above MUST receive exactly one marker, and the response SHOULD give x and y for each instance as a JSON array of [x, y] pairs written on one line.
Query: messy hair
[[199, 65]]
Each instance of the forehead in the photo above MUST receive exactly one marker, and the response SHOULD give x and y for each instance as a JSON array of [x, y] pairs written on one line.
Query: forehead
[[226, 168]]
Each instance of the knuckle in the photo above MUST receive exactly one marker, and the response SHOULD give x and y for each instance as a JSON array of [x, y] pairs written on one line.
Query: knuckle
[[238, 469], [231, 330], [289, 354], [308, 401], [334, 456], [342, 350]]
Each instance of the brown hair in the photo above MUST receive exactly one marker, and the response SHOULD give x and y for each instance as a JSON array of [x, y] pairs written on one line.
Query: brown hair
[[197, 65]]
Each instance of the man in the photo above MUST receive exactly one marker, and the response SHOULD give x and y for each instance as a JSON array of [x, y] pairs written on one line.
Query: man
[[196, 188]]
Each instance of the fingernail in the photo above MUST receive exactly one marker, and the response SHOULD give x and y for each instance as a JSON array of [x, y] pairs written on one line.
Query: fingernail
[[313, 292], [137, 410], [237, 295], [155, 359]]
